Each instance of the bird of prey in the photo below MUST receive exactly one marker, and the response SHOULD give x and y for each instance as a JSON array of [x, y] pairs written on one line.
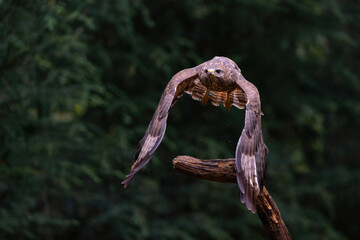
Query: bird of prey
[[221, 81]]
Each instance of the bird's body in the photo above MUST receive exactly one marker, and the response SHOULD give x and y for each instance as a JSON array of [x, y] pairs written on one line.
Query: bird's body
[[220, 81]]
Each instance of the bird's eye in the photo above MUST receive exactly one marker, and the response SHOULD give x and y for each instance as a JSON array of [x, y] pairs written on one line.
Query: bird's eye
[[218, 71], [206, 71]]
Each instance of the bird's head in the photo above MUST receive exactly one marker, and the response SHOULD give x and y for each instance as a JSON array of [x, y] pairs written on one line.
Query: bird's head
[[219, 73], [214, 72]]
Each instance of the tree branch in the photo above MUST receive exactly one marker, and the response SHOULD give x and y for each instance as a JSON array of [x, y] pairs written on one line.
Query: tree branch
[[224, 170]]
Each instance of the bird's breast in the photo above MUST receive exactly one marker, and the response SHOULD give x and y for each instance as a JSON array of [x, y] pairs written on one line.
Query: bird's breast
[[218, 84]]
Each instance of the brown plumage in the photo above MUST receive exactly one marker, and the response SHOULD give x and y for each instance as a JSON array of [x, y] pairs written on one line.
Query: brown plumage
[[219, 81]]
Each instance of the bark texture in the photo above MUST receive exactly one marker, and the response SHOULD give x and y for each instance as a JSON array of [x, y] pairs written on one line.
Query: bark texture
[[224, 170]]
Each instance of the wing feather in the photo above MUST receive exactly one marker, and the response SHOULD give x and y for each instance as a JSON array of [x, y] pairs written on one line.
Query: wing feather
[[238, 98], [251, 150], [180, 83], [197, 91]]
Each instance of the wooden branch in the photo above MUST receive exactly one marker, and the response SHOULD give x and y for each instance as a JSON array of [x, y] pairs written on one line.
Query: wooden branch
[[224, 170]]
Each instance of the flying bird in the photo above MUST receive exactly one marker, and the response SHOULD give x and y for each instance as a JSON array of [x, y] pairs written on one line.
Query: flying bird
[[220, 81]]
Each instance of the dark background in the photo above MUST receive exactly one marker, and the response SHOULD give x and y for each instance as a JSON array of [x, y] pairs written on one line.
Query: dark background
[[80, 80]]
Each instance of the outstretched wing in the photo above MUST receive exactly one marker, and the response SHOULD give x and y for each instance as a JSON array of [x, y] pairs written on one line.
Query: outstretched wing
[[251, 151], [180, 82]]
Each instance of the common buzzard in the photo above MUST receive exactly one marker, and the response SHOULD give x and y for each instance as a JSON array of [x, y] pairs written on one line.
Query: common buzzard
[[221, 81]]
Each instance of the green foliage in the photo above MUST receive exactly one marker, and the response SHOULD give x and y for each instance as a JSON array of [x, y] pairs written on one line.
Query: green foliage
[[79, 82]]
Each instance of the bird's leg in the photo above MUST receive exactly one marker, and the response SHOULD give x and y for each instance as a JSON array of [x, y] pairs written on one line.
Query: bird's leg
[[228, 103], [206, 97]]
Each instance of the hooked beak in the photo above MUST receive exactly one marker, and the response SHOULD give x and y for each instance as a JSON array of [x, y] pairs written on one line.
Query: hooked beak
[[211, 71]]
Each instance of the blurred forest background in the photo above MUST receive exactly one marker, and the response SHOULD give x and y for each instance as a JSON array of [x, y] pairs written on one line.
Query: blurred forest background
[[80, 80]]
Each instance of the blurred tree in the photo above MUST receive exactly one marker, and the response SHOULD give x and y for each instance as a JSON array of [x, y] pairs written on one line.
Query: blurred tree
[[79, 82]]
